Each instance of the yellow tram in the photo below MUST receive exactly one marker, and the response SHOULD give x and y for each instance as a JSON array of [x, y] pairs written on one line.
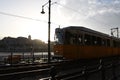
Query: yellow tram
[[76, 42]]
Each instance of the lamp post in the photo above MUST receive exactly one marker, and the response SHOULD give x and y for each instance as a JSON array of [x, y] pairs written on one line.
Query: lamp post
[[49, 23]]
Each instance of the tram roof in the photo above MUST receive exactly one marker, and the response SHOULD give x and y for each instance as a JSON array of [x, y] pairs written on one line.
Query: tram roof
[[84, 29]]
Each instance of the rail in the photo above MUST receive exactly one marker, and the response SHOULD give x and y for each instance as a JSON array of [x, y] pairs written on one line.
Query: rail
[[18, 75], [86, 72], [91, 73], [18, 72]]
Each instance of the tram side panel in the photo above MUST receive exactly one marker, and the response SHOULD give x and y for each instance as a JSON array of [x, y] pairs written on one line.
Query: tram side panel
[[89, 52], [66, 51], [71, 52], [115, 51], [58, 50], [85, 52], [109, 51]]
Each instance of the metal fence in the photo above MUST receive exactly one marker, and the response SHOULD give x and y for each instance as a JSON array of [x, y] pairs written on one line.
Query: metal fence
[[23, 58]]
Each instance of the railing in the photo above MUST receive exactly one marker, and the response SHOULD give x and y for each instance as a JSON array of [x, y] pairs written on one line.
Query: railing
[[14, 58]]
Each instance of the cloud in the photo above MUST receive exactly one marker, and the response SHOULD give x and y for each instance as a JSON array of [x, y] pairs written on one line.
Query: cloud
[[104, 6], [96, 13]]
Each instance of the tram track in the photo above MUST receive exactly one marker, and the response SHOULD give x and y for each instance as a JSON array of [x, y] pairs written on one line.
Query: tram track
[[13, 72], [21, 68], [66, 70], [18, 75], [105, 70]]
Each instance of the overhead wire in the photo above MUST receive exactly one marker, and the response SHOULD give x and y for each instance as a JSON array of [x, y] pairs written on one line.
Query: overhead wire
[[24, 17], [28, 18]]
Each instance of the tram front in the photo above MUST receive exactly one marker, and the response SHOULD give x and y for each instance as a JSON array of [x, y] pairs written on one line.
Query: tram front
[[59, 43]]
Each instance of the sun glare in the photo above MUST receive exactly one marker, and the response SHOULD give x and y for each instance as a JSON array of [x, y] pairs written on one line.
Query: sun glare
[[37, 31]]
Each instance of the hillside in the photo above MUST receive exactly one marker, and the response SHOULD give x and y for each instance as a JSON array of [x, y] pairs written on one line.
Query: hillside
[[22, 44]]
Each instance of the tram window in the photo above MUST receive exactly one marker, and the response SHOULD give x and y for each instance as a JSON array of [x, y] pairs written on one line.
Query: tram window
[[87, 39], [104, 42], [80, 39], [94, 40], [119, 44], [67, 37], [74, 39], [71, 40], [116, 43], [108, 42], [99, 41], [58, 37]]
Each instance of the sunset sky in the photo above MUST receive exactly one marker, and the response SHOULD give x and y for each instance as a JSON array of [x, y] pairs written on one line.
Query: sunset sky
[[23, 17]]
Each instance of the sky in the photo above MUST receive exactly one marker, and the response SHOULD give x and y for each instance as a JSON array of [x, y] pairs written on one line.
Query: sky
[[23, 17]]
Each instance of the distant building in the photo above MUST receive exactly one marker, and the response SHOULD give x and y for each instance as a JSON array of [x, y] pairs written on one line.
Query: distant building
[[29, 37], [22, 44]]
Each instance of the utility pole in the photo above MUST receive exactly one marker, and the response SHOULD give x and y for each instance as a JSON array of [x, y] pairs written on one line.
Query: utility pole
[[113, 30], [49, 24]]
